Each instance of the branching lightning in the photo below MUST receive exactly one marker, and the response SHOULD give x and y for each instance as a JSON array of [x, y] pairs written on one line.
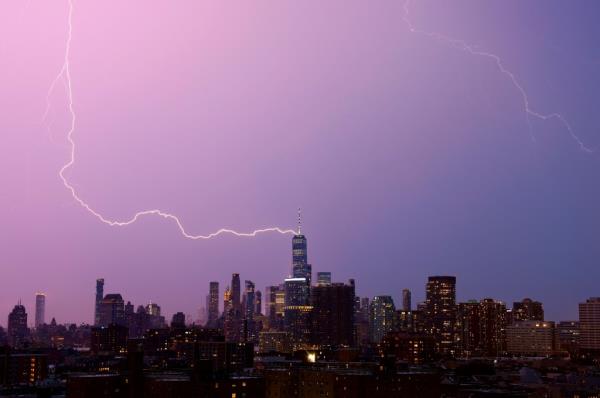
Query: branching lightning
[[464, 46], [65, 74]]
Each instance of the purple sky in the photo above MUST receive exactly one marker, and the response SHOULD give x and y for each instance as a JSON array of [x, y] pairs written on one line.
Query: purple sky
[[409, 157]]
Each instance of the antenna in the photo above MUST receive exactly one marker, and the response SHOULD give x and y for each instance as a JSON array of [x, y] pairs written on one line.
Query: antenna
[[299, 221]]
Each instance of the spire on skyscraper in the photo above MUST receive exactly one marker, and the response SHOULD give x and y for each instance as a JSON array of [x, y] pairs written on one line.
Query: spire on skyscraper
[[299, 221]]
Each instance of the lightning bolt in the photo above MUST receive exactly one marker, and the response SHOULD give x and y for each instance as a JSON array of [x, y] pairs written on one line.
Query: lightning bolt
[[65, 75], [464, 46]]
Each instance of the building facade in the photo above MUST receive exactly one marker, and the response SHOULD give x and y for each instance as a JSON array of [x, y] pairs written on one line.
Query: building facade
[[381, 317], [40, 309], [589, 324], [440, 308]]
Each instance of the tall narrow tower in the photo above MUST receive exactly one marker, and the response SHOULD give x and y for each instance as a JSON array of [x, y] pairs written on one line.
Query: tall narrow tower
[[300, 266], [40, 309], [99, 297], [235, 291]]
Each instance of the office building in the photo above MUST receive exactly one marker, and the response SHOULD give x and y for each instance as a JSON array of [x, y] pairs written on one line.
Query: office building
[[527, 310], [40, 309], [468, 332], [492, 327], [236, 291], [297, 310], [258, 302], [531, 338], [112, 310], [333, 314], [406, 300], [568, 336], [381, 317], [99, 297], [17, 331], [249, 300], [300, 266], [440, 312], [589, 325], [213, 304]]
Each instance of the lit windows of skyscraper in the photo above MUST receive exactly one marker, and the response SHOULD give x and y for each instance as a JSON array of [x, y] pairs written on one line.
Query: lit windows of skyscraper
[[527, 310], [467, 328], [40, 309], [296, 310], [99, 297], [300, 266], [492, 327], [381, 317], [441, 311]]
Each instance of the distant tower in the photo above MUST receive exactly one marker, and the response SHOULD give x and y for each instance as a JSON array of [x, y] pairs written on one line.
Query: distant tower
[[258, 302], [249, 300], [406, 300], [300, 266], [99, 297], [40, 309], [235, 291], [213, 304], [17, 326], [381, 317], [440, 311], [323, 278]]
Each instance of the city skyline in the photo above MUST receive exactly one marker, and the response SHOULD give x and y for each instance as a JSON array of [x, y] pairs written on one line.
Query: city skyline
[[300, 273], [410, 157]]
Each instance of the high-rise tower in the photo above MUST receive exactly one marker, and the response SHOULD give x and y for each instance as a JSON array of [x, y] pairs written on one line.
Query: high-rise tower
[[213, 304], [17, 326], [40, 309], [300, 266], [440, 308], [99, 297], [235, 291]]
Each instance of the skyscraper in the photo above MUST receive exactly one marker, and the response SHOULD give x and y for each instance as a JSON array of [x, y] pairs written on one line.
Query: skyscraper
[[440, 311], [17, 326], [213, 304], [40, 309], [300, 266], [112, 310], [275, 301], [296, 310], [99, 297], [235, 291], [406, 300], [381, 317], [467, 328], [333, 314], [589, 324], [492, 327], [249, 300], [258, 302]]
